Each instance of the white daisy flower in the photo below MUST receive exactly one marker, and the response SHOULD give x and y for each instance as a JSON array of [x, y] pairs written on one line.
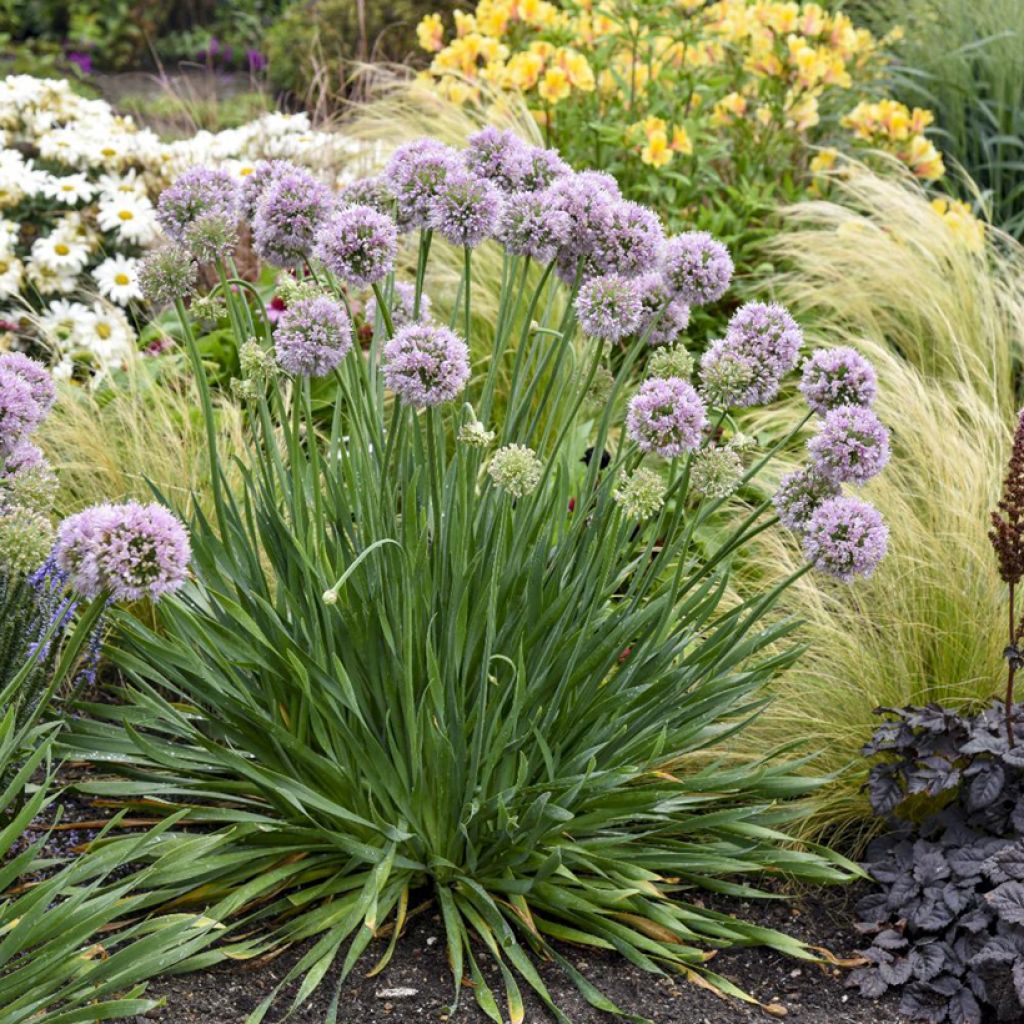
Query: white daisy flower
[[12, 273], [117, 279], [70, 189], [62, 323], [107, 334], [48, 280], [131, 216], [60, 251]]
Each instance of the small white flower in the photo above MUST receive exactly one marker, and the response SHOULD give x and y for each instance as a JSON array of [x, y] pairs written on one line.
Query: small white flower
[[70, 189], [62, 323], [131, 216], [117, 279], [12, 272], [49, 280], [107, 334], [61, 252]]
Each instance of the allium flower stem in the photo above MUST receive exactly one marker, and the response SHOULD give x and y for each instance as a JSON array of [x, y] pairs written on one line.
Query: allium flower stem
[[385, 312], [468, 277], [426, 237], [207, 403]]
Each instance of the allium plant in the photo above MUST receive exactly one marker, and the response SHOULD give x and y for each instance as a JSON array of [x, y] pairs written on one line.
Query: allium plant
[[441, 652]]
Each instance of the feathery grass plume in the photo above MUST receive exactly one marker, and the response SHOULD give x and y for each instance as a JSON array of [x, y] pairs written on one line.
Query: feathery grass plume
[[943, 329], [875, 260], [133, 436]]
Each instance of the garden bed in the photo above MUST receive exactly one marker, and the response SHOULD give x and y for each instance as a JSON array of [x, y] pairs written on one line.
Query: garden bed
[[807, 993]]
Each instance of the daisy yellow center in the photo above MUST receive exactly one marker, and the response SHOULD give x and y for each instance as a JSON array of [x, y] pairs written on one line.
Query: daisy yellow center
[[108, 151], [103, 330], [67, 188], [61, 249], [4, 266], [122, 279], [126, 214]]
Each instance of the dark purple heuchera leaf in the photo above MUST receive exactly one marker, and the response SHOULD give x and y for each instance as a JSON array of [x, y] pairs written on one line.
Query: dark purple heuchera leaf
[[948, 921], [1007, 900]]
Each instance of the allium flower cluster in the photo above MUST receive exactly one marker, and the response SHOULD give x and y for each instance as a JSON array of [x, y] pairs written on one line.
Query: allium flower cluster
[[697, 268], [630, 240], [403, 306], [609, 307], [166, 274], [372, 192], [846, 537], [725, 378], [358, 245], [466, 209], [130, 551], [210, 237], [200, 192], [715, 472], [516, 469], [851, 447], [545, 166], [473, 434], [499, 156], [426, 364], [665, 316], [529, 226], [586, 199], [288, 215], [641, 495], [799, 496], [312, 337], [20, 413], [34, 374], [414, 175], [666, 416], [838, 376], [766, 340], [255, 184]]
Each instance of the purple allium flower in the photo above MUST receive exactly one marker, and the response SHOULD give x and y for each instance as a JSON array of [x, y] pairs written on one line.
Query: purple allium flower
[[630, 241], [586, 199], [199, 192], [312, 337], [846, 537], [666, 416], [665, 316], [20, 413], [697, 267], [22, 458], [530, 227], [545, 165], [211, 237], [414, 174], [426, 364], [763, 341], [403, 305], [466, 208], [838, 376], [288, 216], [34, 374], [372, 192], [499, 156], [166, 274], [131, 551], [799, 495], [358, 245], [609, 307], [851, 447], [255, 184]]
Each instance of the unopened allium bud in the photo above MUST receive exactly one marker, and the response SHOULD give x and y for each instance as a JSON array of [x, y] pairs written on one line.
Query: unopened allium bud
[[256, 362], [516, 469], [671, 362], [244, 390], [292, 290], [330, 597], [208, 307], [742, 443], [166, 274], [641, 495], [600, 389], [724, 378], [474, 435], [210, 237], [715, 472], [26, 538], [34, 488]]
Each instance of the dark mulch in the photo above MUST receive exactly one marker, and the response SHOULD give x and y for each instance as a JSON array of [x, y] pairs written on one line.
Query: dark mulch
[[416, 985]]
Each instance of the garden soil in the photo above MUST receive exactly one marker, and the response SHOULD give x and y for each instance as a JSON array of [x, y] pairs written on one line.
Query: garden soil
[[416, 985]]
